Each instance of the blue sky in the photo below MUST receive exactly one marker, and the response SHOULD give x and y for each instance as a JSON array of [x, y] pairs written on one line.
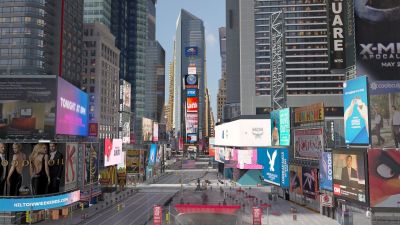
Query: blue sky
[[212, 12]]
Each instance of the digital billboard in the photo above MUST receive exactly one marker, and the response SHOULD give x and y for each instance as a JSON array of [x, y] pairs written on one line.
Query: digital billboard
[[93, 129], [134, 161], [275, 162], [192, 104], [27, 107], [384, 110], [124, 127], [72, 110], [384, 173], [220, 154], [91, 163], [152, 155], [309, 114], [147, 129], [192, 121], [349, 174], [124, 96], [191, 51], [326, 171], [377, 43], [192, 69], [37, 168], [155, 131], [308, 143], [295, 179], [191, 81], [337, 30], [247, 159], [280, 127], [191, 138], [112, 152], [310, 182], [38, 203], [355, 100], [191, 92]]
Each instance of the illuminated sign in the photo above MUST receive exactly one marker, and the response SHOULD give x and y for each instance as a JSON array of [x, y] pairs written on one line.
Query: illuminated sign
[[309, 114], [192, 104]]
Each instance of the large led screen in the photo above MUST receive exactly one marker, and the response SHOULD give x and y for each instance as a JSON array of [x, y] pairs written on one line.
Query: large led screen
[[310, 182], [280, 127], [355, 99], [349, 174], [325, 171], [384, 177], [275, 162], [72, 110], [147, 129], [247, 159], [295, 178], [152, 155], [112, 152], [27, 107]]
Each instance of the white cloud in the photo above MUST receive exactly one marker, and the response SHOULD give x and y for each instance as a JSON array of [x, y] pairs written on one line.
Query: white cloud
[[211, 39]]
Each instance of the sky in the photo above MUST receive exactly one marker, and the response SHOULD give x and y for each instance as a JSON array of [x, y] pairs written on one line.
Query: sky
[[212, 12]]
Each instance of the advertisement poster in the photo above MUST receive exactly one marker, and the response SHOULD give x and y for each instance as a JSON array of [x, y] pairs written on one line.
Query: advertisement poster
[[309, 114], [124, 96], [124, 127], [192, 104], [310, 182], [157, 215], [377, 50], [91, 167], [385, 113], [220, 154], [133, 161], [93, 129], [112, 152], [280, 127], [191, 81], [247, 159], [38, 203], [71, 169], [72, 110], [257, 216], [27, 107], [152, 155], [191, 51], [211, 146], [191, 92], [15, 165], [155, 131], [355, 99], [275, 165], [191, 138], [308, 143], [295, 176], [147, 129], [349, 180], [384, 182], [192, 122], [325, 171]]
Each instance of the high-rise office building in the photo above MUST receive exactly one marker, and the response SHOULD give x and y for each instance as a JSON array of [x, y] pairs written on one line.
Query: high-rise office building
[[221, 96], [189, 53], [100, 78], [41, 38], [170, 105], [308, 79], [97, 11]]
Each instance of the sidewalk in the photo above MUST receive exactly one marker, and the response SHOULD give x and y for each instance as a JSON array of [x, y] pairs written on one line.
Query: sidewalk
[[111, 200]]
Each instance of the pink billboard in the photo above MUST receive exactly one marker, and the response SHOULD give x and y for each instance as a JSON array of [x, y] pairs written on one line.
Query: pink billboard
[[247, 159]]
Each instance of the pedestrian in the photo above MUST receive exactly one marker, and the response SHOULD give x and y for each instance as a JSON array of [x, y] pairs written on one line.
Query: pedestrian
[[396, 125], [377, 125]]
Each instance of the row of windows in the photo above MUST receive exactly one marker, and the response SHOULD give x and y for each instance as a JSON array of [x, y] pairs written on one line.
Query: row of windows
[[21, 41], [21, 51], [22, 19], [22, 62], [42, 2], [21, 9], [21, 30]]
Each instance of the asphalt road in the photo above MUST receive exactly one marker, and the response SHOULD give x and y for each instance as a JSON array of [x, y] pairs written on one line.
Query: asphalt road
[[135, 210]]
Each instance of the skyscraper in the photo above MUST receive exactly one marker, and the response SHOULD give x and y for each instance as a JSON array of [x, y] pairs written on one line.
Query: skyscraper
[[98, 11], [221, 96], [100, 78], [170, 105], [32, 45], [190, 54], [306, 58]]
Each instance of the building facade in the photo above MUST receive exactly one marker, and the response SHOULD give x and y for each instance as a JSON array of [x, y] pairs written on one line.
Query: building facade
[[100, 78], [170, 105], [221, 96], [32, 45], [308, 78], [97, 11], [189, 33]]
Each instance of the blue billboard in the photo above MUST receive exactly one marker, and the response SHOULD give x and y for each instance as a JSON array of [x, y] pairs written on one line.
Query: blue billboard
[[191, 51], [325, 171], [355, 100], [280, 127], [152, 155], [191, 92], [38, 203], [275, 165]]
